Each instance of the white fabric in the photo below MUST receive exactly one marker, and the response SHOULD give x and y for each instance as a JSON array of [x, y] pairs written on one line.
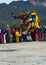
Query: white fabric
[[0, 30], [4, 38], [30, 19], [32, 24], [29, 38]]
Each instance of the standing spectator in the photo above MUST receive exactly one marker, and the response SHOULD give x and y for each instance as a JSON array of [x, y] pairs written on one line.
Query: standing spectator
[[5, 38], [17, 36], [43, 33], [8, 34], [0, 35], [12, 30]]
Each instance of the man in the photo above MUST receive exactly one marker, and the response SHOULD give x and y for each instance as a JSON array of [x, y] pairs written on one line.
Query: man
[[34, 23]]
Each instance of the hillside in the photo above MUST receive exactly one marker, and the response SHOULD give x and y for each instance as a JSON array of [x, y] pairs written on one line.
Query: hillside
[[19, 7], [38, 2]]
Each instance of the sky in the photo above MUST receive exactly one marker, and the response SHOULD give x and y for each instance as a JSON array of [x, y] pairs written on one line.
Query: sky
[[8, 1]]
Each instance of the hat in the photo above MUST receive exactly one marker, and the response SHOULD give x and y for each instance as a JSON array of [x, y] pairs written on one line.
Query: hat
[[34, 13]]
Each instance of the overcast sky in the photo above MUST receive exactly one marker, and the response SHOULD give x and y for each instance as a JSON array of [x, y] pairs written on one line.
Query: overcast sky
[[8, 1]]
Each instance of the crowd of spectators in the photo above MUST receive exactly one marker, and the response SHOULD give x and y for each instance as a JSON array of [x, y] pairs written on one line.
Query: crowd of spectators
[[8, 35]]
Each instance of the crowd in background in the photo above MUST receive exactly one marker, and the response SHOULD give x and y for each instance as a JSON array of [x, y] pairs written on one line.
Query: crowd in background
[[9, 35]]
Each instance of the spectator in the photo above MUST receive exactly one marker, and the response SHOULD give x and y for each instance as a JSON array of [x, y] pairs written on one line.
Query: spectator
[[43, 33], [28, 36], [12, 30], [17, 36], [8, 34], [0, 35]]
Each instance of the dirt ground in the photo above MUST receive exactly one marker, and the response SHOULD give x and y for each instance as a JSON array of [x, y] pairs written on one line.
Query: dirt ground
[[26, 53]]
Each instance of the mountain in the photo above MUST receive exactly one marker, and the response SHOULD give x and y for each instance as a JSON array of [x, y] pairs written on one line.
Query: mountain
[[38, 2], [20, 6]]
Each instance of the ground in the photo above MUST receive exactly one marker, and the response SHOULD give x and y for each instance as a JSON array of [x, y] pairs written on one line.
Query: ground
[[26, 53]]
